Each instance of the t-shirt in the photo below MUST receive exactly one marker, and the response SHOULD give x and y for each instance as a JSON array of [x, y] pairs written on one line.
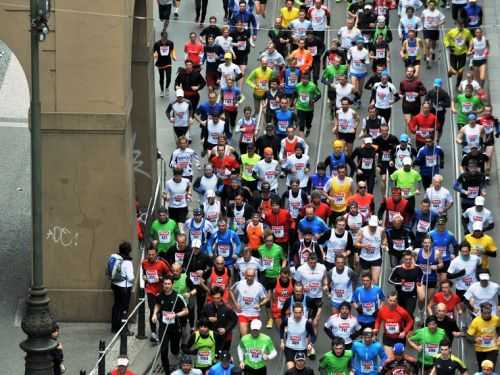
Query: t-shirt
[[271, 259], [336, 365], [486, 331], [407, 181], [430, 342], [306, 95], [484, 244], [465, 106], [254, 349], [164, 233], [170, 304]]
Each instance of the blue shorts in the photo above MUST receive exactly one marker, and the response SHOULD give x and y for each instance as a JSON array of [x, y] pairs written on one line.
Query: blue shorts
[[359, 75]]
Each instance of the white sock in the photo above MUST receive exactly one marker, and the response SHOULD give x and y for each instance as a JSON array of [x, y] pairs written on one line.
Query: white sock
[[176, 10]]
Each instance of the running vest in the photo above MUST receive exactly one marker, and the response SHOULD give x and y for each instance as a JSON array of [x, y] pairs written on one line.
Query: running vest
[[254, 235], [239, 219], [335, 161], [429, 275], [289, 145], [206, 349], [472, 137], [394, 209], [220, 281], [346, 121], [339, 192], [374, 240], [335, 245], [296, 334], [291, 79], [305, 251], [212, 212], [282, 294], [214, 130], [283, 121], [295, 204], [341, 286], [354, 223]]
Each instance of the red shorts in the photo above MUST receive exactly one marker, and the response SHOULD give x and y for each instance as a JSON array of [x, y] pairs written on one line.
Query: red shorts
[[276, 311], [246, 319]]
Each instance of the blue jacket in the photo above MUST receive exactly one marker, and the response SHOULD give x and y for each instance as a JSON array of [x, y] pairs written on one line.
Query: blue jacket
[[442, 242], [206, 109], [473, 15], [217, 369], [430, 160], [225, 244], [316, 225], [367, 360], [234, 6], [246, 17]]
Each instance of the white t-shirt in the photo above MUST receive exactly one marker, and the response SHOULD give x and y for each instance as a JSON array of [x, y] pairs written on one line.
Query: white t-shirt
[[432, 19], [359, 60], [478, 294], [298, 165], [226, 71], [347, 37], [269, 171], [344, 328], [439, 198], [243, 265], [312, 279], [458, 264], [484, 216], [177, 192], [248, 296]]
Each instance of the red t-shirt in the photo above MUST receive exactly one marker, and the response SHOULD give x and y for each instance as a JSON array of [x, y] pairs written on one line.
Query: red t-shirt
[[450, 302], [394, 321], [323, 211], [221, 164], [193, 52], [127, 372], [154, 272], [423, 126]]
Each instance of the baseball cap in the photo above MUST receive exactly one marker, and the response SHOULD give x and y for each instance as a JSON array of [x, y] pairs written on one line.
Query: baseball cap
[[484, 276], [210, 193], [256, 325], [185, 359], [269, 126], [380, 19], [407, 161], [367, 331], [367, 140], [359, 39], [228, 55], [472, 116], [487, 364], [300, 356], [122, 362], [404, 137], [477, 226], [338, 143], [438, 82], [224, 356], [442, 220], [179, 92], [268, 151], [373, 222], [479, 201], [368, 6], [196, 243], [197, 211], [398, 348]]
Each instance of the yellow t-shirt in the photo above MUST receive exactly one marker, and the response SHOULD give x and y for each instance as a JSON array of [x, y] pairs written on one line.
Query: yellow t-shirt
[[288, 16], [339, 192], [486, 331], [480, 245]]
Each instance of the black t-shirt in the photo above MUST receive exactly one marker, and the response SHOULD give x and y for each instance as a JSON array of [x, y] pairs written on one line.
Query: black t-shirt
[[449, 366], [406, 279], [398, 240], [365, 157], [305, 371], [242, 38], [211, 30], [386, 147], [449, 325], [170, 303], [164, 53]]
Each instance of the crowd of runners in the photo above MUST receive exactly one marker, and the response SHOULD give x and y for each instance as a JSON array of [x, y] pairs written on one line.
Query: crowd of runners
[[263, 239]]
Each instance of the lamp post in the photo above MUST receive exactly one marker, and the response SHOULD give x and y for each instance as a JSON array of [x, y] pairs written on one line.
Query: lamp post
[[37, 322]]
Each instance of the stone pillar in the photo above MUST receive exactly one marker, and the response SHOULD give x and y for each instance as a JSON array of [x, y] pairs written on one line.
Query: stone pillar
[[88, 150]]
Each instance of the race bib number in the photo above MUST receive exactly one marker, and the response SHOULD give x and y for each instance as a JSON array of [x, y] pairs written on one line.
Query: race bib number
[[398, 245], [195, 279], [411, 96], [431, 349], [164, 237], [366, 163], [242, 45], [204, 358], [179, 257], [267, 262], [224, 250], [386, 155], [368, 308], [164, 50], [278, 231], [367, 367], [423, 226], [304, 98], [313, 50], [392, 328], [468, 280], [487, 341], [430, 160], [152, 277], [255, 355], [168, 317], [472, 191], [407, 286], [380, 53]]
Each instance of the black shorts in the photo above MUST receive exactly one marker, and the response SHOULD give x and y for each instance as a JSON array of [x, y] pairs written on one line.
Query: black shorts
[[317, 302], [478, 63], [178, 214], [431, 34], [180, 130], [430, 283], [446, 265], [290, 354], [347, 137], [252, 185], [411, 62], [164, 11], [367, 264], [268, 282], [457, 62], [410, 109], [389, 341], [241, 59], [384, 167]]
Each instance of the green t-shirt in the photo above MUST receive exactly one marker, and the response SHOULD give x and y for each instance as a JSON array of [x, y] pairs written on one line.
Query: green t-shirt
[[271, 259], [430, 342], [247, 164], [336, 365], [306, 96], [465, 105], [180, 285], [331, 73], [255, 348], [164, 234], [406, 181]]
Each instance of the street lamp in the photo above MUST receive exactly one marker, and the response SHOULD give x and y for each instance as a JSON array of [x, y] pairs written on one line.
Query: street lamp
[[37, 322]]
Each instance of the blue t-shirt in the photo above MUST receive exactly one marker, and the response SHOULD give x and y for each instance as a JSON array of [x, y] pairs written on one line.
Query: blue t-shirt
[[369, 301], [367, 359]]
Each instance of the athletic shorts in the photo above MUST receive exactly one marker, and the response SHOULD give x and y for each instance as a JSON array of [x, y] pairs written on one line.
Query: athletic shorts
[[165, 11], [178, 214], [411, 62], [347, 137], [431, 34], [410, 109], [358, 75], [384, 167], [268, 282], [290, 354], [367, 264], [446, 265], [390, 341], [478, 63], [430, 283], [318, 302], [241, 59], [457, 62], [246, 319]]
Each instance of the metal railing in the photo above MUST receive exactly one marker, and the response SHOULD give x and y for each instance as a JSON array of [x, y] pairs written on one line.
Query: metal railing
[[139, 309]]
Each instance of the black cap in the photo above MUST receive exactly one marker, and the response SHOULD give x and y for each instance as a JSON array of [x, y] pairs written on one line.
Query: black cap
[[300, 356], [186, 360], [225, 356]]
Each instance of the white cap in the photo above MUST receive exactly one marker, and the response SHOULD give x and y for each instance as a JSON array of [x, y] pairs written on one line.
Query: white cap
[[484, 276], [179, 92], [477, 225], [122, 362], [407, 161], [479, 201], [380, 19], [256, 325], [368, 140], [373, 222], [210, 193], [196, 243]]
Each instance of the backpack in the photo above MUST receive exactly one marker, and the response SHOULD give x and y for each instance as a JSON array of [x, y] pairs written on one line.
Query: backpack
[[114, 268]]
